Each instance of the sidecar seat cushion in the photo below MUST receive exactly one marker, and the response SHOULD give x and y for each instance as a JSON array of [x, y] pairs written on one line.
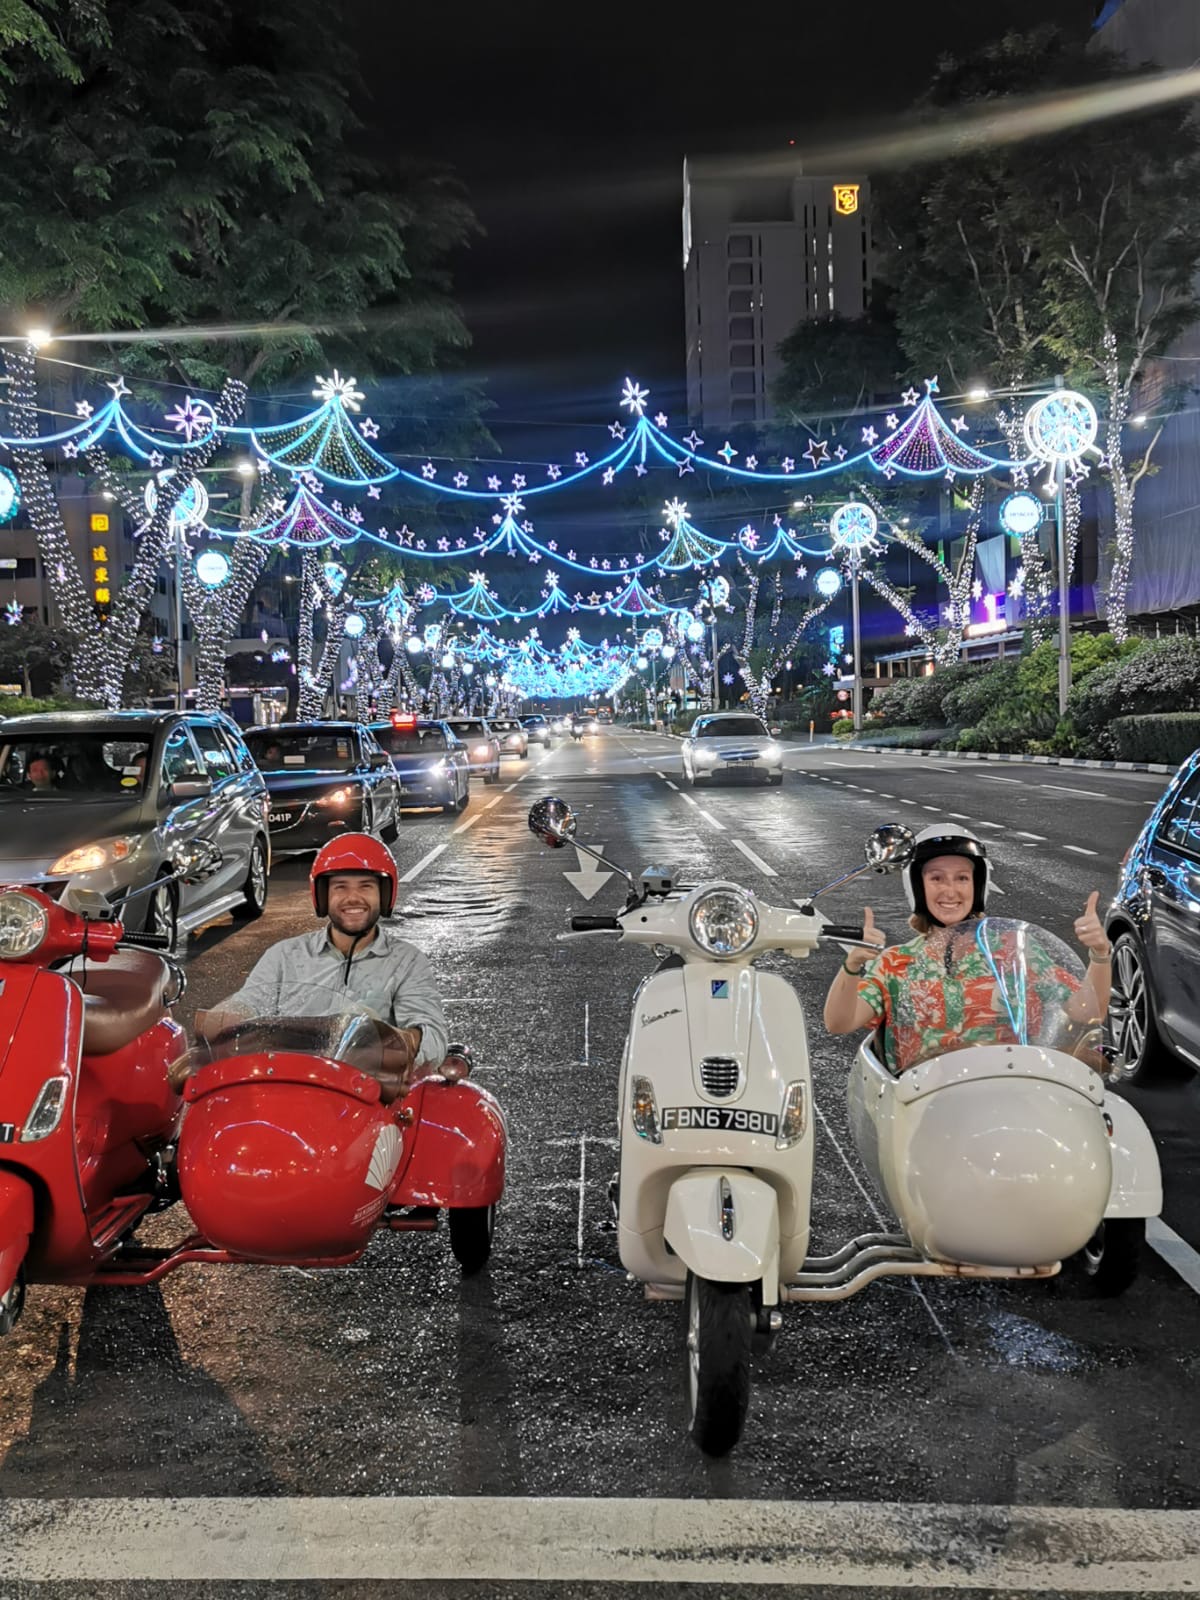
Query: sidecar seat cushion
[[122, 997]]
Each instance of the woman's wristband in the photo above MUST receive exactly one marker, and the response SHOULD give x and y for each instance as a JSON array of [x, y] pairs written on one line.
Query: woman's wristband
[[1100, 961], [855, 972]]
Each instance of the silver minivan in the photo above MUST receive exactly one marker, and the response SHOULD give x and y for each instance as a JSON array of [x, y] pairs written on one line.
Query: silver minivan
[[106, 800]]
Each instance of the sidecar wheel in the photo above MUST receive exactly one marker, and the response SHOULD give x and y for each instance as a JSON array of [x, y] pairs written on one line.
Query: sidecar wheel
[[471, 1230], [719, 1325], [12, 1304], [1111, 1259]]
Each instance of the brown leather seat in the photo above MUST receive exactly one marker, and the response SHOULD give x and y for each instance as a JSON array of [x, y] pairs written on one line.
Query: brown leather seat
[[122, 997]]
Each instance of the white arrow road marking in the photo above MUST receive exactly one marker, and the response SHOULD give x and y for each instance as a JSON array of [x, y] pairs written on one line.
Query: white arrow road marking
[[588, 878], [824, 1545]]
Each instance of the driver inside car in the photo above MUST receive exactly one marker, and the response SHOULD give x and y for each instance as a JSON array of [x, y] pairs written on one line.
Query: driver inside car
[[351, 964]]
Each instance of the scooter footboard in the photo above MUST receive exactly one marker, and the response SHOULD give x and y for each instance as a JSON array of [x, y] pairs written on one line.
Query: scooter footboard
[[16, 1227], [723, 1224]]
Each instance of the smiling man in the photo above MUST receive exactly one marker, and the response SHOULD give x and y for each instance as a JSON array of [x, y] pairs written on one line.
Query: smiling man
[[351, 965]]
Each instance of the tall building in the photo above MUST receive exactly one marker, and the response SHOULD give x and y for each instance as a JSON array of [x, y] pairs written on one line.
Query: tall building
[[1166, 32], [761, 254]]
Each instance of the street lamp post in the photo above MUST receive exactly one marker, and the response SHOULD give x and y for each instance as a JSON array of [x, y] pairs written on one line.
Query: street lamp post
[[856, 704], [179, 555], [1064, 589]]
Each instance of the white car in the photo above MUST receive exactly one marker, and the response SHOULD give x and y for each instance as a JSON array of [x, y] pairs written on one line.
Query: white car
[[734, 745]]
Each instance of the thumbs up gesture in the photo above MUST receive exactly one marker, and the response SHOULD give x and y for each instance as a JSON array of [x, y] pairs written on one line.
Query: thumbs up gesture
[[872, 935], [1088, 928]]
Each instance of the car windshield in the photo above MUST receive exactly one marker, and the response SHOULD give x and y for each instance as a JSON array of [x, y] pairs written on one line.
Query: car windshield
[[96, 764], [411, 741], [470, 730], [505, 725], [1021, 985], [316, 751], [732, 727]]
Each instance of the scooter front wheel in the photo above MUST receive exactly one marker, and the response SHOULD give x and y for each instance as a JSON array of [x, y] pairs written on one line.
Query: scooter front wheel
[[471, 1230], [720, 1325]]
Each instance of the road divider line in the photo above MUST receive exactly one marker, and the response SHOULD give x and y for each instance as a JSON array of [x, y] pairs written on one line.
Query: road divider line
[[671, 785], [1176, 1252], [1078, 850], [708, 817], [492, 803], [1021, 834], [982, 824], [763, 866], [469, 823], [689, 799], [419, 866], [582, 1193], [988, 778], [724, 1544], [1092, 794]]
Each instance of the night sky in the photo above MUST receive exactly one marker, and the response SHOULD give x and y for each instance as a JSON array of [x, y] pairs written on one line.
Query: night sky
[[569, 125]]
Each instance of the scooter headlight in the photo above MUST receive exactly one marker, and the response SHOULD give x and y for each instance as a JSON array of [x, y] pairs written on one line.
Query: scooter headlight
[[23, 925], [644, 1110], [793, 1115], [724, 922]]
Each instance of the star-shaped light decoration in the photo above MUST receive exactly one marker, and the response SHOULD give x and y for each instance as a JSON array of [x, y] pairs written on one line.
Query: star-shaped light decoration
[[70, 449], [788, 464], [190, 418], [156, 458], [513, 504], [977, 590], [829, 670], [355, 516], [892, 420], [817, 453], [693, 440], [443, 544], [727, 677], [727, 452], [674, 512], [429, 472], [685, 466], [617, 429], [751, 463], [12, 612], [869, 436], [553, 472], [840, 452], [373, 491], [802, 572], [581, 458], [959, 424], [339, 388], [493, 484], [82, 409], [607, 476], [461, 480], [932, 386], [518, 480], [910, 397], [369, 428], [748, 538], [639, 469], [660, 420], [527, 526], [120, 388], [634, 397]]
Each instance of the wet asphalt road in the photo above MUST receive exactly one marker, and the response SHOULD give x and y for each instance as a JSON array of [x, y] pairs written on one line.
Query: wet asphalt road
[[548, 1375]]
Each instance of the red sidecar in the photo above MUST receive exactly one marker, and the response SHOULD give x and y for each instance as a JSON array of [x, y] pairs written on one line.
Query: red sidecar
[[289, 1154]]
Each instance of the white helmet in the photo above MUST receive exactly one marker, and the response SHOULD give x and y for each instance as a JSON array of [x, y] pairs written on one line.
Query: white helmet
[[946, 839]]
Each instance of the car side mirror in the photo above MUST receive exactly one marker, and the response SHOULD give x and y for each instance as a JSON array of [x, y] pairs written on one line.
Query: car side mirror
[[552, 820], [190, 788], [775, 728]]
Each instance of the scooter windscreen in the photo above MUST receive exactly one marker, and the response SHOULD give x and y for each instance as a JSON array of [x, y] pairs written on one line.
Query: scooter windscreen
[[362, 1041], [993, 980]]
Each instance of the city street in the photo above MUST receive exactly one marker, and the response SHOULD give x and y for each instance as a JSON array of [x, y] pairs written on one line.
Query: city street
[[548, 1377]]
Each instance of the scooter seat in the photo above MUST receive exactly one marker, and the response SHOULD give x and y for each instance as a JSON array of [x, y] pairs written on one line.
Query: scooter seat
[[122, 997]]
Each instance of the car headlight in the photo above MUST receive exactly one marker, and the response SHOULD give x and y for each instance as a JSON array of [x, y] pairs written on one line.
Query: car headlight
[[772, 753], [482, 750], [338, 797], [23, 925], [514, 738], [91, 857], [724, 922], [703, 757]]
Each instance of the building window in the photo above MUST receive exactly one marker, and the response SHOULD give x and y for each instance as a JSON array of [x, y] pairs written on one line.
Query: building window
[[741, 383], [740, 244], [741, 327], [741, 272], [742, 411], [741, 300], [741, 355], [26, 567]]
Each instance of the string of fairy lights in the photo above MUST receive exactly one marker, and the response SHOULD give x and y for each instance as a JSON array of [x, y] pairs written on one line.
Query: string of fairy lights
[[321, 485]]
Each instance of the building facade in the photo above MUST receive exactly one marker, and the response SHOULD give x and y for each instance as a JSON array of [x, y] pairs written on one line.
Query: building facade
[[760, 255]]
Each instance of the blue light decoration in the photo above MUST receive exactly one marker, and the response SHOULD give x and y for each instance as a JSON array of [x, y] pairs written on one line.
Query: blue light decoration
[[686, 545], [1021, 513], [189, 510], [652, 639], [695, 630], [10, 495], [854, 529], [13, 612], [325, 441], [335, 577], [1060, 429], [828, 581], [354, 626], [212, 568]]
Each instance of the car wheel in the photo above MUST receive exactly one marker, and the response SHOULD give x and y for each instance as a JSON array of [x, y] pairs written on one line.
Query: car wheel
[[1131, 1024], [491, 777], [460, 805], [254, 890], [162, 915], [388, 835], [775, 780], [698, 782], [524, 755], [1110, 1260]]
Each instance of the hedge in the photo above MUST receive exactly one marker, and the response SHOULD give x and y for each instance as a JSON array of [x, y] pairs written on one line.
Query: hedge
[[1168, 736]]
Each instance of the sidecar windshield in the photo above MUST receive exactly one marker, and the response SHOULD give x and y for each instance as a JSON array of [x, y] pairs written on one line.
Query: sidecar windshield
[[357, 1040], [990, 981]]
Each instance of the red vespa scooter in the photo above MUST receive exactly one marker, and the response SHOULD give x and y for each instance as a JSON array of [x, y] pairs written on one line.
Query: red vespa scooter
[[285, 1151]]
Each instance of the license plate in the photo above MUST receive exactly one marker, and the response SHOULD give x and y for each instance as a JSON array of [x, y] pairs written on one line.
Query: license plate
[[280, 817], [720, 1119]]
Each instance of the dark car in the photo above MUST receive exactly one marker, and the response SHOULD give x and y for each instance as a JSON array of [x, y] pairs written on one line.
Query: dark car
[[483, 747], [1154, 925], [537, 730], [324, 778], [104, 799], [431, 761]]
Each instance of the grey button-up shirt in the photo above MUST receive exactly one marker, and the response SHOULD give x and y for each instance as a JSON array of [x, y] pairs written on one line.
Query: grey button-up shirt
[[307, 977]]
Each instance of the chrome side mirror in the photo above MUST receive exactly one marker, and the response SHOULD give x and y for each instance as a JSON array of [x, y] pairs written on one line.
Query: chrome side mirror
[[197, 861], [552, 820], [890, 847]]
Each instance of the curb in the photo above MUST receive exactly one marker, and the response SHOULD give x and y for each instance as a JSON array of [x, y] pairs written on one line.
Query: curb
[[1041, 761]]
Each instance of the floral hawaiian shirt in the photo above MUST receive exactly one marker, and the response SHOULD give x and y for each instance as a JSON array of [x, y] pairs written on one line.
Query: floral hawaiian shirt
[[929, 1013]]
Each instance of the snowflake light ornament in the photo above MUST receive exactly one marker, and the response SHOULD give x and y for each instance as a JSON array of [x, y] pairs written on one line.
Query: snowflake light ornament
[[634, 398], [192, 418], [12, 612], [854, 529], [1061, 428], [339, 388]]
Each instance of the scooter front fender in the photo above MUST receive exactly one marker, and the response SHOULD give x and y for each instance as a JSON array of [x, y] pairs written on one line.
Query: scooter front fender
[[723, 1224], [1136, 1174], [16, 1227]]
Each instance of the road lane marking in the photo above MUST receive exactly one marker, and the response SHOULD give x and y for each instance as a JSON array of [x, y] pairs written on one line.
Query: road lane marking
[[930, 808], [1092, 794], [469, 823], [724, 1544], [708, 816], [492, 803], [689, 799], [419, 866], [511, 787], [582, 1193], [763, 866], [1079, 850], [1176, 1252], [988, 778], [1021, 834], [982, 824], [671, 785]]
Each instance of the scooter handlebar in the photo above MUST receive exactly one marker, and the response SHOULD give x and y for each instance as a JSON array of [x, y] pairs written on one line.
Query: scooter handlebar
[[849, 932], [589, 924], [147, 941]]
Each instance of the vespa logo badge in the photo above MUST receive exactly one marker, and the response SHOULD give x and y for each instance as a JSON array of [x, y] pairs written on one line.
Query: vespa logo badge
[[8, 1132], [658, 1016], [720, 988]]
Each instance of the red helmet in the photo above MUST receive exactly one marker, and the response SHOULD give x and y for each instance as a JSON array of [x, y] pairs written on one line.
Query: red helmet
[[354, 852]]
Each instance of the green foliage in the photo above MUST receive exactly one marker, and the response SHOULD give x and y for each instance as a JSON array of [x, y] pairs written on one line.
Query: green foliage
[[909, 738], [1168, 737], [24, 706], [843, 728], [188, 164], [35, 656], [1162, 675], [920, 701], [838, 365]]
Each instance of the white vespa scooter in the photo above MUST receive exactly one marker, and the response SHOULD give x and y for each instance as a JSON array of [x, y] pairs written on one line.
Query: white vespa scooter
[[998, 1161]]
